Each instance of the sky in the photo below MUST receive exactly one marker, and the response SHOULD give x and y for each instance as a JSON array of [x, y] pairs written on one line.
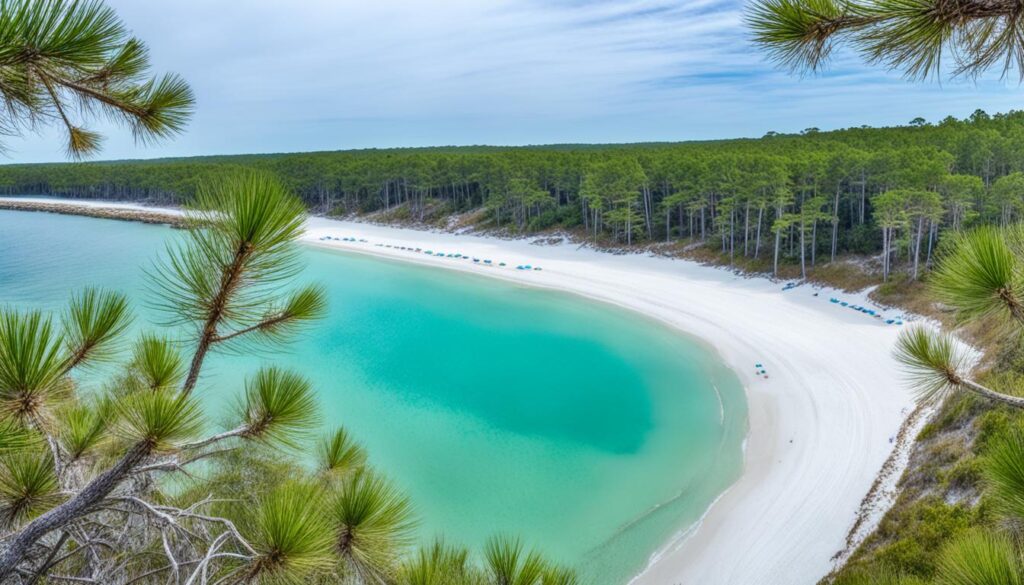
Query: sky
[[272, 76]]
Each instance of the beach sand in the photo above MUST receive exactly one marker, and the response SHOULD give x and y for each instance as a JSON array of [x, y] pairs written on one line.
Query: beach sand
[[820, 427]]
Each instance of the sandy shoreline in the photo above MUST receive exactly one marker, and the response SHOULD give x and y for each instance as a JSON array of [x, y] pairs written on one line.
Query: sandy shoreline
[[820, 426]]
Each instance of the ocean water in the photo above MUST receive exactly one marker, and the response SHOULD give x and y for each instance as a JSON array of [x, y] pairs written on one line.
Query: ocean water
[[590, 432]]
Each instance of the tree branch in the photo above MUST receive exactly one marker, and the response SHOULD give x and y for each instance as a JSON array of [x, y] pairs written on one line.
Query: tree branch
[[236, 432], [173, 464], [229, 281], [56, 518], [1014, 401], [156, 571], [48, 562], [99, 96], [266, 324]]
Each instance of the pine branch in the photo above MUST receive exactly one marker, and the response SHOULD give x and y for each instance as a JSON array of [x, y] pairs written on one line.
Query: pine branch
[[908, 35]]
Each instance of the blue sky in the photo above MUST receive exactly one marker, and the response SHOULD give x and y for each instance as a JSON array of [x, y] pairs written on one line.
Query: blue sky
[[274, 76]]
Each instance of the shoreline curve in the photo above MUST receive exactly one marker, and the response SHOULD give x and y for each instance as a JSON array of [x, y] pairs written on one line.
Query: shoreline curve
[[819, 429]]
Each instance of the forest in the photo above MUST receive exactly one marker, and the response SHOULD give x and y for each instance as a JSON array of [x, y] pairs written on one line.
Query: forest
[[792, 198]]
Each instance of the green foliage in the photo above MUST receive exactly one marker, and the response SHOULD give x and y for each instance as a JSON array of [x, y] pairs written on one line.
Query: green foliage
[[979, 275], [1007, 197], [157, 363], [797, 34], [1004, 473], [238, 257], [28, 486], [564, 217], [965, 474], [865, 577], [861, 239], [510, 564], [161, 419], [559, 576], [438, 564], [911, 36], [372, 524], [15, 436], [84, 426], [302, 306], [32, 363], [94, 322], [917, 535], [980, 558], [59, 58], [933, 361], [995, 426], [243, 475], [280, 407], [253, 212], [291, 536], [339, 456], [505, 564]]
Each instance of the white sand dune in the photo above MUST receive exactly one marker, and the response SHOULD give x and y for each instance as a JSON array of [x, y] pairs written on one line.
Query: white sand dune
[[820, 426]]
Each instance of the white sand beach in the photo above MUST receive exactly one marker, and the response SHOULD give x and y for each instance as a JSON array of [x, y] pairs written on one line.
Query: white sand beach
[[821, 426]]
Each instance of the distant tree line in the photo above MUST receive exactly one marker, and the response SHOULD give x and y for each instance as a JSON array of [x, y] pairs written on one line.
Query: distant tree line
[[788, 198]]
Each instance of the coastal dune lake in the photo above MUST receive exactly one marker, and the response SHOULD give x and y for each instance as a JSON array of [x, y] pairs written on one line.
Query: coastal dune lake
[[592, 433]]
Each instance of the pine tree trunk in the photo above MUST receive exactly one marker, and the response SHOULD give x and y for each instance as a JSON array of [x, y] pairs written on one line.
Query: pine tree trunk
[[863, 196], [931, 240], [732, 235], [757, 239], [746, 228], [56, 518], [814, 241], [649, 212], [775, 264], [835, 225], [803, 265], [917, 244], [885, 254], [668, 224]]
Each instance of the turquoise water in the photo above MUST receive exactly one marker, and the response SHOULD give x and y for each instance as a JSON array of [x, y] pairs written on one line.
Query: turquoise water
[[592, 433]]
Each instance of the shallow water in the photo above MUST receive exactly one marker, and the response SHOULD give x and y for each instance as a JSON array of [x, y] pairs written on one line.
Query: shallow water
[[592, 433]]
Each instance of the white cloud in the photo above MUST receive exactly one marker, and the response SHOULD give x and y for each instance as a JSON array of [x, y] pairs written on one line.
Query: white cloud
[[321, 74]]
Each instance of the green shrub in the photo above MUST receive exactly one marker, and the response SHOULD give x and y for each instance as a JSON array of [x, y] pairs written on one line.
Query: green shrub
[[918, 532]]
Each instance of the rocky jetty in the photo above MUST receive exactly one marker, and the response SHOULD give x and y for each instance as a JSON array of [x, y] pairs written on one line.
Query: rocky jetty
[[122, 213]]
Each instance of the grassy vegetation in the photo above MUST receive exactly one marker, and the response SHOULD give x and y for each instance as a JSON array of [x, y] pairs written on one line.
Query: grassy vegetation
[[943, 492]]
